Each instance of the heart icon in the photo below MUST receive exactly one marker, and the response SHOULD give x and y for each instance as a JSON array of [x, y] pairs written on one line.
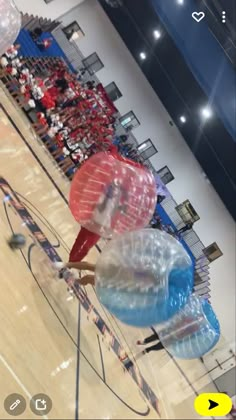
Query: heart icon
[[198, 16]]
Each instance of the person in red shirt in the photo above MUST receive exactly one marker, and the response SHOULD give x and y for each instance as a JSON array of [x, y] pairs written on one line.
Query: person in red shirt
[[44, 44]]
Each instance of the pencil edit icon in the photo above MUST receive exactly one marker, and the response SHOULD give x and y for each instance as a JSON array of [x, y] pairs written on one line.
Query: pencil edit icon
[[15, 404]]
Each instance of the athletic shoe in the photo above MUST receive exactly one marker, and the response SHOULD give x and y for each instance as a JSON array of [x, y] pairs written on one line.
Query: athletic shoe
[[123, 357], [58, 265], [61, 273], [76, 273]]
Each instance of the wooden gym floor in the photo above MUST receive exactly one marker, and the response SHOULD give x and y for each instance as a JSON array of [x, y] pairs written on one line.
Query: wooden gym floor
[[53, 344]]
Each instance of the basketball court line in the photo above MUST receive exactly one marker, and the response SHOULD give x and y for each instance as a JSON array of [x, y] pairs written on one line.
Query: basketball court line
[[140, 413], [28, 263], [58, 238], [85, 302], [17, 380]]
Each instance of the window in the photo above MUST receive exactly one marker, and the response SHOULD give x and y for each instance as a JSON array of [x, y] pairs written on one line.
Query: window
[[166, 175], [93, 63], [212, 252], [113, 92], [187, 212], [129, 121], [146, 149], [73, 31]]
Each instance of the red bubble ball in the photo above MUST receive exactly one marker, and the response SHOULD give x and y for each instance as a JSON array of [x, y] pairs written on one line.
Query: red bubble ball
[[110, 195]]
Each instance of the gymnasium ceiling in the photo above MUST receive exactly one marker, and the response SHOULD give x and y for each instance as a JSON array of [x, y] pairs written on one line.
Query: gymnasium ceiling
[[183, 89]]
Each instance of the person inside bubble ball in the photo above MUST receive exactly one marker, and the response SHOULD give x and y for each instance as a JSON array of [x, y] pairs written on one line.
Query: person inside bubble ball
[[115, 272], [184, 328], [111, 201], [155, 347]]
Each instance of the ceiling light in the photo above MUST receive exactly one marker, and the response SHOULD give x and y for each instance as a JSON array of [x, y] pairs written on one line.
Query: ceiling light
[[180, 1], [156, 34], [206, 113], [143, 55], [183, 119]]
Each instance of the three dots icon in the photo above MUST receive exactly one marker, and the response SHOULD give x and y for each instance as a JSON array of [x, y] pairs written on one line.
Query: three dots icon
[[223, 16]]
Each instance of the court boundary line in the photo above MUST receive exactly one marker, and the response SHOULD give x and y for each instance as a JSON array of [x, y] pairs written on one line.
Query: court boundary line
[[29, 205], [17, 379]]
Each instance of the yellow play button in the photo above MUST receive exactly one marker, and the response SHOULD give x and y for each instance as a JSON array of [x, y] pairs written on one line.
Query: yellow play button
[[213, 404]]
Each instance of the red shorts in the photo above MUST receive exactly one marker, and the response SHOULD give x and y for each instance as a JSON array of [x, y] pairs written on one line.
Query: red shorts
[[84, 242]]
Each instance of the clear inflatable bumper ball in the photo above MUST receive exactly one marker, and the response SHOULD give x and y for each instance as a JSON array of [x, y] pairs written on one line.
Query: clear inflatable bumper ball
[[10, 24], [192, 332], [144, 277]]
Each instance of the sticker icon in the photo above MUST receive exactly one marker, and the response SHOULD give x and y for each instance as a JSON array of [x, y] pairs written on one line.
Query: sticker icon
[[41, 404]]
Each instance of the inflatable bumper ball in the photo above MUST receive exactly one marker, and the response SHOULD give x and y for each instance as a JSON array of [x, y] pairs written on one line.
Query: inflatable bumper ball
[[109, 195], [192, 332], [10, 24], [144, 277]]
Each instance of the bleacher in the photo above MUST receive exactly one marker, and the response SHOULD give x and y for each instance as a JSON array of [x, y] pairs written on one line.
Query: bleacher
[[30, 49]]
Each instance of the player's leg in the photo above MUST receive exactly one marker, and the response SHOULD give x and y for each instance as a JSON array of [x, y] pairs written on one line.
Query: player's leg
[[81, 265], [88, 279], [83, 243], [157, 347], [148, 340]]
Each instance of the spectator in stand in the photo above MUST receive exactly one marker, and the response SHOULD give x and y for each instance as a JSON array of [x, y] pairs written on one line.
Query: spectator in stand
[[90, 84], [156, 222], [116, 141], [123, 138], [36, 33], [160, 198], [62, 84], [169, 229], [12, 51], [44, 44], [187, 227]]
